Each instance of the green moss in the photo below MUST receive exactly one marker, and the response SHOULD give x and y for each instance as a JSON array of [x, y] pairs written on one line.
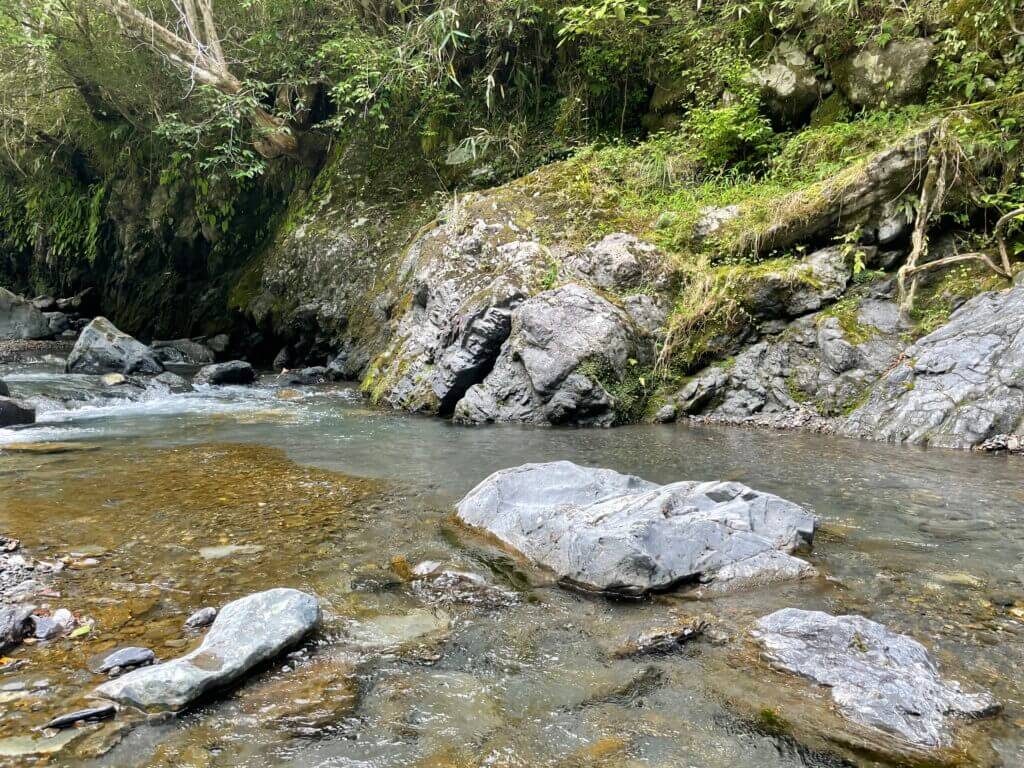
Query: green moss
[[936, 302], [632, 391], [846, 311]]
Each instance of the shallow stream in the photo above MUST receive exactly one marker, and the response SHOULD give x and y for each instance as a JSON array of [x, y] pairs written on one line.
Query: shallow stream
[[174, 502]]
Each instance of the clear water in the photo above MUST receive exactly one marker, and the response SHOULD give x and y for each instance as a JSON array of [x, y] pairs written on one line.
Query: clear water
[[323, 492]]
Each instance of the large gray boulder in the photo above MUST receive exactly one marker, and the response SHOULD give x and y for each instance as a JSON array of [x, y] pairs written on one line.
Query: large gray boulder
[[20, 319], [603, 531], [564, 347], [897, 73], [231, 372], [16, 412], [246, 633], [464, 286], [957, 386], [876, 677], [102, 348], [789, 84]]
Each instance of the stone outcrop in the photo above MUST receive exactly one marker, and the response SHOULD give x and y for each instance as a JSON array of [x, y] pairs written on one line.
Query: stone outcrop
[[561, 345], [819, 280], [619, 263], [876, 678], [603, 531], [827, 360], [20, 319], [848, 200], [102, 348], [957, 386], [246, 633], [465, 287], [897, 73]]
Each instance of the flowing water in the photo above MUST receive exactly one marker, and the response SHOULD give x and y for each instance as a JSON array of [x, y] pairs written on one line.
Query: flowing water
[[173, 502]]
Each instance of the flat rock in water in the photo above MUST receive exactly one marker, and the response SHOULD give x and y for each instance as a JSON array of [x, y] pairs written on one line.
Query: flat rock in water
[[125, 658], [232, 372], [876, 677], [91, 714], [605, 531], [48, 448], [246, 633]]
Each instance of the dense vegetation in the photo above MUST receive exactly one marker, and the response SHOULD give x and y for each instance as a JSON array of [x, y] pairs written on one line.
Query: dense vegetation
[[220, 111]]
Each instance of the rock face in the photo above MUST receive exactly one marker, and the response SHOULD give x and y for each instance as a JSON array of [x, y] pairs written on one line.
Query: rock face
[[561, 342], [232, 372], [957, 386], [20, 319], [620, 263], [246, 632], [898, 73], [819, 280], [826, 359], [15, 412], [102, 348], [604, 531], [462, 301], [876, 677]]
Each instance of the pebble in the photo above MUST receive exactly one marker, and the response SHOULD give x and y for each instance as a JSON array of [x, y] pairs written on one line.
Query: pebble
[[126, 658]]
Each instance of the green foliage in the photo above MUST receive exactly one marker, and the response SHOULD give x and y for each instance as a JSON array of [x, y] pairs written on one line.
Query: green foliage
[[67, 217]]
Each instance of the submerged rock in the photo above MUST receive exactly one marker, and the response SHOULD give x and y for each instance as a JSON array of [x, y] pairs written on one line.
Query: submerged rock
[[604, 531], [125, 659], [90, 715], [876, 677], [232, 372], [437, 584], [247, 632], [401, 632], [663, 639], [957, 386], [102, 348], [177, 384], [16, 412], [20, 319]]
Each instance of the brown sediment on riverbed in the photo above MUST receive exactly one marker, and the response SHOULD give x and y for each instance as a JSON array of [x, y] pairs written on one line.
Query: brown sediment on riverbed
[[168, 530]]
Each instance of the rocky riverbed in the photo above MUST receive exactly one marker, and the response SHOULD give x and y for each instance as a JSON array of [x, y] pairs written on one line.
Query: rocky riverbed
[[441, 644]]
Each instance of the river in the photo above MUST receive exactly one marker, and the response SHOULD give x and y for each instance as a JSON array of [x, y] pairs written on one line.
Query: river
[[179, 501]]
